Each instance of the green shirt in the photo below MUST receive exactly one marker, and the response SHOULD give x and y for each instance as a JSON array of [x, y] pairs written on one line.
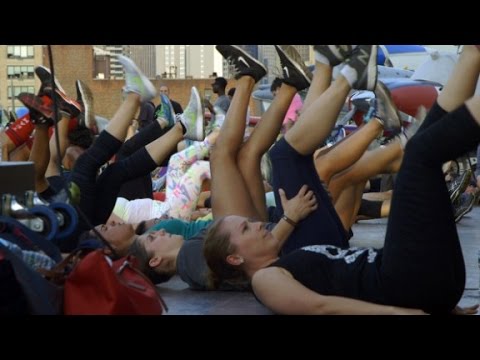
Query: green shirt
[[187, 229]]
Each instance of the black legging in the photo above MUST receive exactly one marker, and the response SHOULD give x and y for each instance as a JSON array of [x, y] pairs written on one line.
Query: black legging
[[422, 265], [141, 187], [98, 195], [291, 171]]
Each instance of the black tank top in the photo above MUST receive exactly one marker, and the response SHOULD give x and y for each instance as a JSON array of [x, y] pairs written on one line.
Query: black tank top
[[329, 270]]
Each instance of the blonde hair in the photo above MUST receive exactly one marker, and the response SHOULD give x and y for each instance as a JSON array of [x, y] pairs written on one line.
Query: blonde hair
[[216, 248]]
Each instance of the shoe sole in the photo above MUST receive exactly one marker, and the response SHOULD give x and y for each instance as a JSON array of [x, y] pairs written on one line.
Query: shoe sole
[[149, 88], [460, 189], [45, 75], [465, 211], [372, 75], [199, 128], [295, 64], [36, 103], [87, 100], [386, 97], [74, 107]]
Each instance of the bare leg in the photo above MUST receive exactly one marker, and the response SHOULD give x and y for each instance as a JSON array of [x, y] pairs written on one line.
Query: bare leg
[[463, 80], [386, 159], [348, 204], [302, 137], [230, 195], [161, 148], [118, 125], [262, 138], [347, 152], [40, 156], [52, 169], [322, 78], [21, 153]]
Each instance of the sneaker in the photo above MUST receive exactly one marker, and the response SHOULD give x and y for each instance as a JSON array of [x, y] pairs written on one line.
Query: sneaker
[[85, 99], [136, 81], [192, 117], [67, 105], [244, 64], [361, 68], [166, 111], [385, 109], [458, 185], [415, 123], [295, 73], [333, 54], [40, 108], [463, 206], [45, 77]]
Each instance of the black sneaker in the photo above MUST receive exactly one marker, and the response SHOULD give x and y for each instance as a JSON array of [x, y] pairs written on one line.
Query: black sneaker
[[362, 63], [335, 54], [385, 109], [459, 185], [85, 99], [39, 107], [244, 64], [463, 206], [295, 73], [66, 104], [45, 77]]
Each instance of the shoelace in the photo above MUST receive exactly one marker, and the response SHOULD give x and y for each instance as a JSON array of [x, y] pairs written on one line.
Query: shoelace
[[233, 67]]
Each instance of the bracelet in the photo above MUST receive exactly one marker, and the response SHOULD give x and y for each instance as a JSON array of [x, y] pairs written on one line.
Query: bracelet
[[288, 220]]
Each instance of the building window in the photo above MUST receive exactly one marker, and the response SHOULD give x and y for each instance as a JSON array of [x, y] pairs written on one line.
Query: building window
[[20, 51], [20, 89], [20, 72]]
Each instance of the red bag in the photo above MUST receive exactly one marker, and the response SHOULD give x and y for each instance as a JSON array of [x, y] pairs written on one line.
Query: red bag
[[98, 286]]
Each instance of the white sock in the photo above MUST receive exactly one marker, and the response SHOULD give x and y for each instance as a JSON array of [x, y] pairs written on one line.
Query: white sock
[[349, 74], [321, 58]]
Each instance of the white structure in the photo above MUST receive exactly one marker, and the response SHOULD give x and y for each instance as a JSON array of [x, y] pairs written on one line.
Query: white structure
[[187, 61], [116, 69]]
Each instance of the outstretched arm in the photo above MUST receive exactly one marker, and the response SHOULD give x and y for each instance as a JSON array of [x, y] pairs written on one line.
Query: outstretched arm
[[278, 290]]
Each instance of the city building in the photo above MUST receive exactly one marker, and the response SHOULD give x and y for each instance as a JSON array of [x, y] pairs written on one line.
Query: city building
[[145, 57], [116, 69], [188, 61], [18, 63]]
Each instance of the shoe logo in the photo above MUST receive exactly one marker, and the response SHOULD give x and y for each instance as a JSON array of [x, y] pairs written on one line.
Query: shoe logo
[[363, 57], [287, 73], [241, 58]]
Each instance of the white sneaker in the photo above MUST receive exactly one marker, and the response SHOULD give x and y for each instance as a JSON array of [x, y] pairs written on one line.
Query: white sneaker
[[192, 117], [136, 81]]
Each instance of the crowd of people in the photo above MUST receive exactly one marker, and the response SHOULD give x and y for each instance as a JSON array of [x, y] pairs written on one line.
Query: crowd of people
[[221, 224]]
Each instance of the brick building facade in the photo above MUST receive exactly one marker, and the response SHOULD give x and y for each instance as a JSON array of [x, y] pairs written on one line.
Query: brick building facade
[[77, 62]]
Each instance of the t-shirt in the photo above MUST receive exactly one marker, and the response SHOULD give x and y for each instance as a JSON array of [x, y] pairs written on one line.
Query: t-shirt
[[188, 229], [223, 102], [135, 211], [294, 109], [329, 270]]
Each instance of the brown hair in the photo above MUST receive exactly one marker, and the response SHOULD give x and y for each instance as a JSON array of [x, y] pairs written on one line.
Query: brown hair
[[143, 257], [216, 248]]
